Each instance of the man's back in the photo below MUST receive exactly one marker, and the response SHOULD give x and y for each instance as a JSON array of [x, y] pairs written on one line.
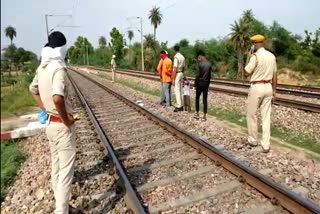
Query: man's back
[[262, 65], [166, 71], [179, 62], [204, 74], [52, 80]]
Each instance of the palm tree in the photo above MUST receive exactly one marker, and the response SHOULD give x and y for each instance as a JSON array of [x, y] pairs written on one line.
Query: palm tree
[[10, 33], [102, 42], [248, 16], [240, 39], [130, 35], [155, 17], [149, 42]]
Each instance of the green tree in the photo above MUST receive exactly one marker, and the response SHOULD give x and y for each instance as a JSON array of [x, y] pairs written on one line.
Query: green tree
[[155, 17], [150, 47], [102, 42], [130, 35], [117, 43], [316, 43], [240, 39], [10, 32], [80, 52]]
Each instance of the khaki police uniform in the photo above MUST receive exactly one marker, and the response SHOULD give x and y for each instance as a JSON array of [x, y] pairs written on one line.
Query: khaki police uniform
[[178, 64], [49, 81], [262, 66], [113, 69]]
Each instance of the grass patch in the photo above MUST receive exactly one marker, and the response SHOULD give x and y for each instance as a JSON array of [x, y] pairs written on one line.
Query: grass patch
[[11, 159], [304, 141], [16, 98], [137, 87]]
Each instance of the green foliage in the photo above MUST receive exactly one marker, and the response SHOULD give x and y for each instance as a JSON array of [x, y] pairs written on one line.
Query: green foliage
[[130, 35], [11, 160], [15, 95], [80, 51], [155, 17], [117, 43], [102, 42], [10, 32], [227, 54]]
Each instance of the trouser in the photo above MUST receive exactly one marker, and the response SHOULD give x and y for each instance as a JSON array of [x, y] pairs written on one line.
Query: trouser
[[63, 151], [178, 89], [187, 103], [166, 93], [202, 88], [260, 95], [113, 74], [162, 97]]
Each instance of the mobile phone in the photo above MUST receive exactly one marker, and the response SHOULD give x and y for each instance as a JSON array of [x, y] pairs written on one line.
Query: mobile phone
[[252, 49]]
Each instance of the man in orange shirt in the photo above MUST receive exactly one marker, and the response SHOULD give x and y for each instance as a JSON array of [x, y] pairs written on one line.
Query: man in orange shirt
[[165, 72]]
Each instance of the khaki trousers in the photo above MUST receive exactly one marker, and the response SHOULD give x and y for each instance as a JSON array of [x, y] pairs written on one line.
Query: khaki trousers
[[178, 89], [260, 95], [63, 151], [113, 75]]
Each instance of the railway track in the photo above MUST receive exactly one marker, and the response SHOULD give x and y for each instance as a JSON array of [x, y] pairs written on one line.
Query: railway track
[[306, 106], [163, 169], [303, 91]]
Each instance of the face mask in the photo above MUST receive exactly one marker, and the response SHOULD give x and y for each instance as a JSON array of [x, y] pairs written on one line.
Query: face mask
[[63, 51]]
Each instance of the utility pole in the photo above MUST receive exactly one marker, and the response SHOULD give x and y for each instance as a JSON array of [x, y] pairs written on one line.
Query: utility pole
[[142, 57], [52, 15], [47, 27]]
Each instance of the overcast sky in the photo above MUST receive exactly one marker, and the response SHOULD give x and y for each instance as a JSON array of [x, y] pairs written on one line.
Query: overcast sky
[[192, 19]]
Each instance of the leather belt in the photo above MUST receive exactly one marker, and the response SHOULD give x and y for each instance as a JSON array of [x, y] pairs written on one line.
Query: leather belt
[[260, 82], [53, 118]]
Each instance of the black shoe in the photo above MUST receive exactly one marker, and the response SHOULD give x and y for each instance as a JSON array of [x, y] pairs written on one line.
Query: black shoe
[[178, 109], [73, 210]]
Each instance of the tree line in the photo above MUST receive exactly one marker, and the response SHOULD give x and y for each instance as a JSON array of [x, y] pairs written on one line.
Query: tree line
[[17, 58], [228, 53]]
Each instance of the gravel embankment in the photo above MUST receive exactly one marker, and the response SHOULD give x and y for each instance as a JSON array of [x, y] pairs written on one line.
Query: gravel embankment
[[292, 119], [283, 165]]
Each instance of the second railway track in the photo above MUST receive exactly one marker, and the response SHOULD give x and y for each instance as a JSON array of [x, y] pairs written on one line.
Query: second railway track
[[166, 170], [292, 103]]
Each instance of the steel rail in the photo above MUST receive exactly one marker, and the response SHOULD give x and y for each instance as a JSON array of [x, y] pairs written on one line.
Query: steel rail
[[305, 91], [131, 197], [305, 106], [276, 192]]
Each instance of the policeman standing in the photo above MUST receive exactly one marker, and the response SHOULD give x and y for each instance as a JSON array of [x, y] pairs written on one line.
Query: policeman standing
[[113, 67], [50, 90], [261, 65], [177, 77]]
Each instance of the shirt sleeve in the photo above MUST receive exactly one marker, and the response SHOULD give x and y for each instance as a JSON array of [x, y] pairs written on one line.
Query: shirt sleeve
[[34, 86], [275, 67], [251, 65], [58, 82]]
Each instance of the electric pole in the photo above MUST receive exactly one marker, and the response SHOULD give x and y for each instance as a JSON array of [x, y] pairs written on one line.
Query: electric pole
[[142, 57]]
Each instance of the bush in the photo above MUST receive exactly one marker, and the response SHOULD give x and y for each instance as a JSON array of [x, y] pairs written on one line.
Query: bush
[[306, 63], [11, 159]]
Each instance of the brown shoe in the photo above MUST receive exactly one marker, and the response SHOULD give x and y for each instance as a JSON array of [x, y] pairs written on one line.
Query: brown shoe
[[73, 210], [252, 144], [265, 150]]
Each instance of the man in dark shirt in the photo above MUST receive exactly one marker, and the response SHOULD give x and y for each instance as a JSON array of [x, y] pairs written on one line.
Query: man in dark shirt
[[202, 83]]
